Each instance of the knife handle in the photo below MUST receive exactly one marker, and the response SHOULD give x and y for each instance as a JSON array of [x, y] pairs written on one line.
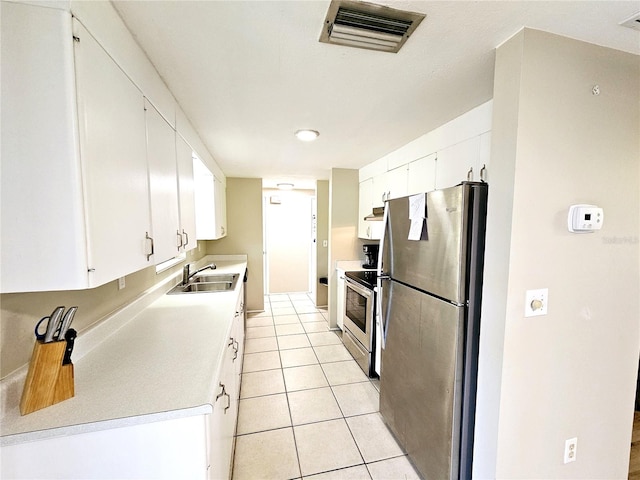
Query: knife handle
[[70, 337], [52, 326], [66, 323]]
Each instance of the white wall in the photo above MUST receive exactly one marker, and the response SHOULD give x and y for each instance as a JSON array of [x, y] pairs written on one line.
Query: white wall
[[571, 373]]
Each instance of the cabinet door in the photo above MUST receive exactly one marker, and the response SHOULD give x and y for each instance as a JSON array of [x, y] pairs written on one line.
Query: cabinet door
[[379, 190], [41, 208], [365, 207], [220, 192], [161, 156], [113, 153], [205, 201], [422, 175], [186, 188], [223, 419], [455, 163], [396, 180]]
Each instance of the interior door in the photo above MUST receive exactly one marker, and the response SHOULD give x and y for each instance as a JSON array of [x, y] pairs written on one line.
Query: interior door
[[288, 238]]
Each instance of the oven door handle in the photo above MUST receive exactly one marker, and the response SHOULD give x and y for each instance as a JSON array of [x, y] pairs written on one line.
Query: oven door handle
[[365, 292]]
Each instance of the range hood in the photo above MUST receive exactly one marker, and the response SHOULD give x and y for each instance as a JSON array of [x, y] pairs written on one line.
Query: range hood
[[376, 215]]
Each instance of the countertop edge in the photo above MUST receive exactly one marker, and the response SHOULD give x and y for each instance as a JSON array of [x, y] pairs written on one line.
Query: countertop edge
[[37, 435]]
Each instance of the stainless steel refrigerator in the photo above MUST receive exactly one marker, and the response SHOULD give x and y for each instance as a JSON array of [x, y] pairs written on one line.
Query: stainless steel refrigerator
[[430, 290]]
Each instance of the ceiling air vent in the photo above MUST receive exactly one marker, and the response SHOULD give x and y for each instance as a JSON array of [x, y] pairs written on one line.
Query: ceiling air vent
[[632, 22], [370, 26]]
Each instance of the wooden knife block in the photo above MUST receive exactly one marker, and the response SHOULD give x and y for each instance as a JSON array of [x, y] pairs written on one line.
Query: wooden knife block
[[48, 381]]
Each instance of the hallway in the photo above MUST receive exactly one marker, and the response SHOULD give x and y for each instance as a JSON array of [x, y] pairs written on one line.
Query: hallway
[[306, 409]]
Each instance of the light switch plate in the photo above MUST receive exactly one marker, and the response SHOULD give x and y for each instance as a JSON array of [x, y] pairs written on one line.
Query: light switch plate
[[536, 302]]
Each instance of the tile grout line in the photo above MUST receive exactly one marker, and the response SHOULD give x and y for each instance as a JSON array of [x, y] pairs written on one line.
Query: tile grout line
[[319, 363]]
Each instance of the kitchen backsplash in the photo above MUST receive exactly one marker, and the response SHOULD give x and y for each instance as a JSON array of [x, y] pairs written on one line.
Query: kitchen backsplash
[[19, 312]]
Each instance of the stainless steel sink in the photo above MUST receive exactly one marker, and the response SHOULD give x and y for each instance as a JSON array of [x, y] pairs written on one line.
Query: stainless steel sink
[[222, 282], [218, 277]]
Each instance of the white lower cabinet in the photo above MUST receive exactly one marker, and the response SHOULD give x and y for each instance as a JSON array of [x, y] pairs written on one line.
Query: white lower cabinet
[[222, 423], [166, 449]]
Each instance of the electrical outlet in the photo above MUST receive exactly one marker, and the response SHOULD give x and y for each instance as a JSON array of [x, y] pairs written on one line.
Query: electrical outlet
[[121, 283], [536, 302], [570, 450]]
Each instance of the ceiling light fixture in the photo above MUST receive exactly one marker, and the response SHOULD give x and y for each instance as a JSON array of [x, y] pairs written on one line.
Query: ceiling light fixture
[[307, 135], [285, 186]]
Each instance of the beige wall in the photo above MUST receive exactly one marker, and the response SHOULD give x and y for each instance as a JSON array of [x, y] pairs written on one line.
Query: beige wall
[[322, 234], [244, 234], [571, 373], [20, 312], [343, 228]]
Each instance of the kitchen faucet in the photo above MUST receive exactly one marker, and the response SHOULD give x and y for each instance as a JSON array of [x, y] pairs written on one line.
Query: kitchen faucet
[[186, 275]]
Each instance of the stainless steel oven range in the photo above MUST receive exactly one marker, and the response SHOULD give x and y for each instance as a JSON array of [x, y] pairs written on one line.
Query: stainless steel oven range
[[359, 318]]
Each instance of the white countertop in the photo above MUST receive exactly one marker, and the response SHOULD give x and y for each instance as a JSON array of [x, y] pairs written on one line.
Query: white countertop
[[350, 265], [160, 363]]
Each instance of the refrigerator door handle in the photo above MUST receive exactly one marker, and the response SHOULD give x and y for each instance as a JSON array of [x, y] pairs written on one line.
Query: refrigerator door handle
[[383, 314]]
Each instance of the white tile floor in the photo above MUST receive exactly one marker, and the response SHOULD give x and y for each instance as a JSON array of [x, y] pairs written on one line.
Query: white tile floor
[[306, 408]]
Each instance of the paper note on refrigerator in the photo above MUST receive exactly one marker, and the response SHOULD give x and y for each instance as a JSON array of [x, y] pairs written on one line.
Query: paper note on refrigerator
[[417, 215]]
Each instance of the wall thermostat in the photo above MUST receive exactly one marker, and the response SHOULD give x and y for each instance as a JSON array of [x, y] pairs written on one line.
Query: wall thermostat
[[585, 218]]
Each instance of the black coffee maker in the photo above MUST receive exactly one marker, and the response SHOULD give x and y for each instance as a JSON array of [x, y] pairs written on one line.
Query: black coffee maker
[[370, 256]]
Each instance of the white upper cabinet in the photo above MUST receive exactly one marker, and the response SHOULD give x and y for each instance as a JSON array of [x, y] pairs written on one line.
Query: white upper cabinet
[[186, 189], [163, 186], [458, 163], [42, 208], [75, 199], [422, 175], [113, 152], [365, 207], [85, 164], [211, 210], [388, 185], [220, 194]]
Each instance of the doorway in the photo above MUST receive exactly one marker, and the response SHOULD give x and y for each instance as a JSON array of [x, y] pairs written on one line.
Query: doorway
[[288, 239]]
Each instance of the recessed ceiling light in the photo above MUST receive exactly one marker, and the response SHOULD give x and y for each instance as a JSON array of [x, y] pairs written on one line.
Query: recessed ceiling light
[[285, 186], [307, 135]]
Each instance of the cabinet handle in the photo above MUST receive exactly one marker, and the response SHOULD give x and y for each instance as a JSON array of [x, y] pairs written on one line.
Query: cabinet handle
[[147, 237], [483, 173], [179, 239], [186, 235], [224, 393], [470, 175], [222, 228]]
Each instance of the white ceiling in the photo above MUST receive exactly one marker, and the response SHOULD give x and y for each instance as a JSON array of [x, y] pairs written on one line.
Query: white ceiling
[[250, 73]]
